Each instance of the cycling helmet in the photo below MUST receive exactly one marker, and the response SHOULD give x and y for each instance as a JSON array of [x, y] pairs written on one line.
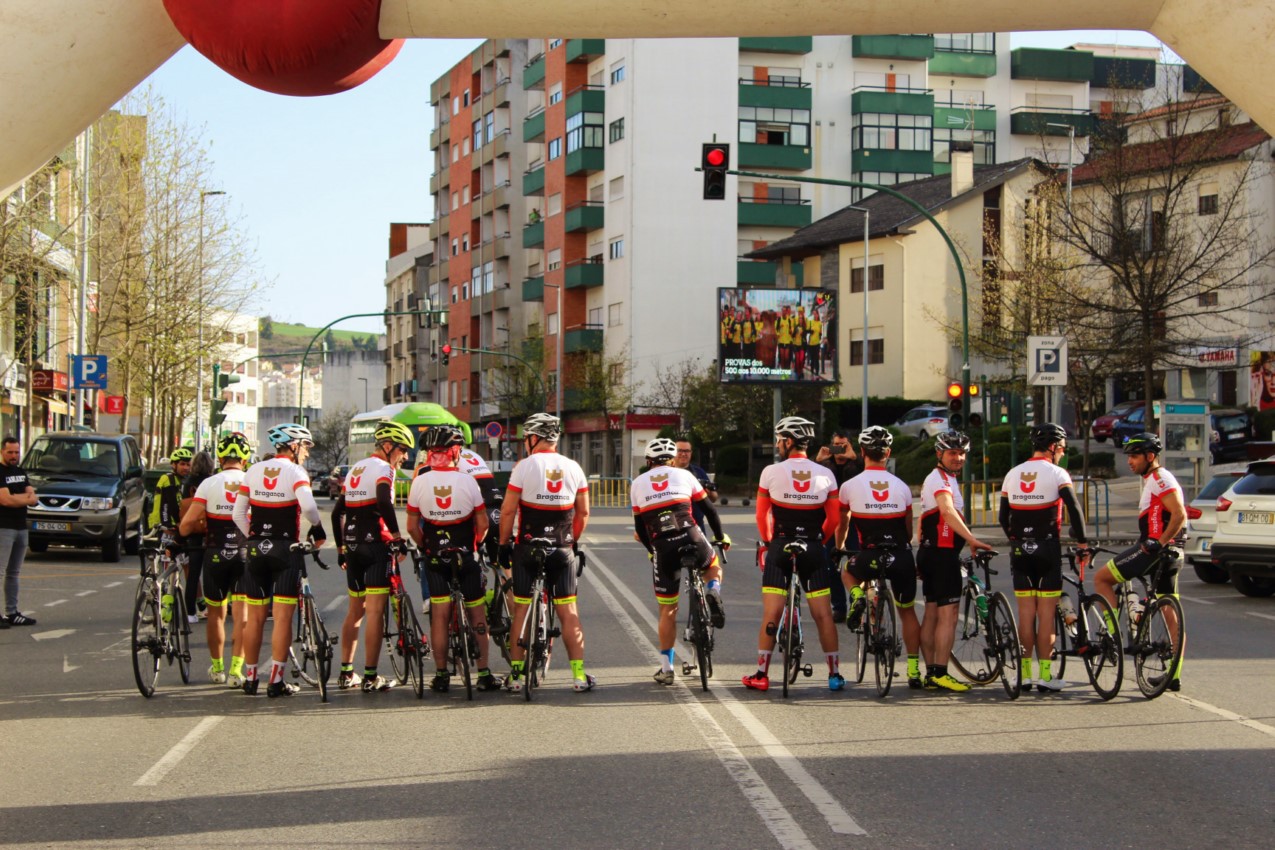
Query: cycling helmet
[[661, 450], [182, 455], [440, 437], [1044, 436], [234, 446], [952, 439], [395, 432], [1144, 443], [800, 431], [876, 438], [282, 436], [543, 425]]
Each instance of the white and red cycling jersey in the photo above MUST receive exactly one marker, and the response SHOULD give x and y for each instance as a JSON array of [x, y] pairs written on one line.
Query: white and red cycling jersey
[[662, 497], [444, 502], [218, 493], [1153, 516], [274, 490], [363, 522], [1034, 490], [935, 531], [798, 489], [547, 485], [880, 504]]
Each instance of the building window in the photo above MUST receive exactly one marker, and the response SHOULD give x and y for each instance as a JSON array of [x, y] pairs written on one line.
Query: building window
[[555, 148], [984, 142], [489, 127], [616, 191], [551, 324], [1207, 299], [584, 130], [617, 73], [615, 372], [615, 315], [477, 136], [464, 195], [455, 105], [876, 278], [464, 292], [595, 317], [455, 294], [465, 97], [876, 352], [455, 247], [616, 248], [617, 129], [965, 42], [555, 94], [554, 260], [1208, 199], [766, 126], [885, 131], [464, 242]]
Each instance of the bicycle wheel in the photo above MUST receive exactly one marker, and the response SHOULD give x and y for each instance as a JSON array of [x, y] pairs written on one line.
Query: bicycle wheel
[[462, 641], [146, 638], [535, 646], [499, 621], [972, 655], [861, 649], [180, 644], [787, 634], [413, 646], [1003, 641], [1158, 649], [549, 617], [393, 641], [1102, 653], [1064, 644], [701, 634], [884, 639]]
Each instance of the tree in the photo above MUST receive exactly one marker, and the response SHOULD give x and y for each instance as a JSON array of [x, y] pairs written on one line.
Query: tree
[[332, 436], [516, 385], [267, 328], [670, 389], [603, 384]]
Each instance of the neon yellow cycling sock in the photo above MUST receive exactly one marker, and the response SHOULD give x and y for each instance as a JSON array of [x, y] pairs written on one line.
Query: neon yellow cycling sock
[[856, 593], [1027, 670], [516, 668], [1110, 618], [218, 665], [1046, 669], [914, 666], [236, 665], [577, 668]]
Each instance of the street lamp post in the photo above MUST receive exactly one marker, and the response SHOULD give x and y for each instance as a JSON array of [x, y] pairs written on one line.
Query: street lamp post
[[867, 216], [199, 369]]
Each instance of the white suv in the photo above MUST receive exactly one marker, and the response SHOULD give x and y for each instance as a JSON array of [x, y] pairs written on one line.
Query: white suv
[[1244, 542], [1202, 513]]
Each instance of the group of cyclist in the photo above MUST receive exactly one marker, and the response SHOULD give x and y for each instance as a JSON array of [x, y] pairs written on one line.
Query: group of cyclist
[[251, 522]]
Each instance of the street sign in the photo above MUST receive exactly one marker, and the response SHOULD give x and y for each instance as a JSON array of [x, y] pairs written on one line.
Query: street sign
[[1047, 361], [88, 372], [494, 430]]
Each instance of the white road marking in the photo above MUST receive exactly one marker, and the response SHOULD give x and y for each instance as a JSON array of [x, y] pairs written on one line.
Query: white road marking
[[67, 667], [776, 818], [179, 751], [1263, 616], [1228, 715], [838, 819], [86, 593], [54, 602], [53, 635], [113, 584], [1196, 599], [333, 605]]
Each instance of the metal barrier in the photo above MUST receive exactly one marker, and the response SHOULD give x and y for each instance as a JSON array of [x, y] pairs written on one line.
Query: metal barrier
[[609, 492], [1094, 493]]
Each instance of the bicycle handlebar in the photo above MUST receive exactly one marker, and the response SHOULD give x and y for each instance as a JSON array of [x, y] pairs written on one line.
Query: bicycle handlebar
[[309, 548]]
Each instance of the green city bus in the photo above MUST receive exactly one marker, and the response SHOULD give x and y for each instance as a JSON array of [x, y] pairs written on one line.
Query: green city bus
[[417, 416]]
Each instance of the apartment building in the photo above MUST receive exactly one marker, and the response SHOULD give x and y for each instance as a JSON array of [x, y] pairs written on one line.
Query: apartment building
[[411, 257]]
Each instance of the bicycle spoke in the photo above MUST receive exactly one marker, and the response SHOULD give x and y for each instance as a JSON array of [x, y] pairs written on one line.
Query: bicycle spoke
[[1159, 645], [1100, 647], [972, 656], [1004, 640]]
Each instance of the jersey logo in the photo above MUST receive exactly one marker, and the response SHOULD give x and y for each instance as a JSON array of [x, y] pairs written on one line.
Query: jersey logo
[[356, 475], [443, 497], [473, 461], [231, 495], [659, 482], [553, 480], [1027, 482], [801, 481], [880, 490], [271, 477]]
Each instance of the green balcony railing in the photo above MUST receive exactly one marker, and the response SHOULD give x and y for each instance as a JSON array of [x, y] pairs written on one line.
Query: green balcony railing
[[794, 45], [1117, 72], [777, 96], [893, 161], [586, 161], [589, 215], [533, 127], [533, 235], [576, 340], [1044, 121], [964, 118], [754, 273], [896, 102], [773, 214], [533, 74], [963, 64], [792, 157], [1040, 63], [893, 46], [533, 289], [584, 49], [584, 274], [533, 182], [586, 99]]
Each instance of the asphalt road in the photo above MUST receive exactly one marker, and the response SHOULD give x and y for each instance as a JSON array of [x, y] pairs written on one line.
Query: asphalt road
[[90, 763]]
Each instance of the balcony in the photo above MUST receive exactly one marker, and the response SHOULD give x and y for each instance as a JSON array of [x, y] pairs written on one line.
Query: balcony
[[1035, 121], [533, 74], [792, 157], [793, 46], [533, 126], [439, 179], [904, 101], [533, 289], [499, 95], [1039, 63], [583, 274], [437, 135], [497, 147], [1195, 84], [585, 49], [774, 94], [588, 215], [905, 46], [533, 235], [444, 269], [893, 161], [585, 161], [960, 117], [582, 339], [533, 181], [753, 273], [495, 196], [1113, 72], [764, 213], [962, 64], [586, 99]]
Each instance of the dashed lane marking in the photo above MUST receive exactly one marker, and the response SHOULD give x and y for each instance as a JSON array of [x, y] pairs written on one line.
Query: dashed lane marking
[[1263, 616], [179, 751], [113, 584], [54, 602], [1228, 715], [86, 593]]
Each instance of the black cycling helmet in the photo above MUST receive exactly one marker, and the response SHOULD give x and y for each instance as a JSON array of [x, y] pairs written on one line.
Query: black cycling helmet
[[1144, 443], [952, 439], [1044, 436], [441, 437], [876, 438]]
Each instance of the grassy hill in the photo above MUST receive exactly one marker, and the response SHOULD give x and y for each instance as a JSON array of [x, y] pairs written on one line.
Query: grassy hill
[[276, 337]]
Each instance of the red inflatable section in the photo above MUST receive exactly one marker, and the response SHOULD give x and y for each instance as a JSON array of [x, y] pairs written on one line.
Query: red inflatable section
[[295, 47]]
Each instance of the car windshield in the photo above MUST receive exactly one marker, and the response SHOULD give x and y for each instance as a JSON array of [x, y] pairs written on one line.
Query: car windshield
[[1217, 486], [1259, 482], [57, 456], [1231, 423]]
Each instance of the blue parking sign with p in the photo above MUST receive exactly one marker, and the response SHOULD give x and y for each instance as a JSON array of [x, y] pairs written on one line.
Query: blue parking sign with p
[[89, 371], [1048, 361]]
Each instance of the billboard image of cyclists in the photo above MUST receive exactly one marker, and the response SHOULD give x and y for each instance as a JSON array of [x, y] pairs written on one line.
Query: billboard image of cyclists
[[772, 336]]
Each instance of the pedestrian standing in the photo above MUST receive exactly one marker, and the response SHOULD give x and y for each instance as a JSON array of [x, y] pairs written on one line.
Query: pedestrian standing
[[683, 461], [840, 459], [16, 496]]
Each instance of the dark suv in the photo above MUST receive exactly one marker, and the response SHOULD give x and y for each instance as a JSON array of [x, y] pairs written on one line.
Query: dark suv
[[1230, 430], [89, 491]]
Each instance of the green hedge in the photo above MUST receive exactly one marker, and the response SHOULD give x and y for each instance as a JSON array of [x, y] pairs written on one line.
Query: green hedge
[[732, 460]]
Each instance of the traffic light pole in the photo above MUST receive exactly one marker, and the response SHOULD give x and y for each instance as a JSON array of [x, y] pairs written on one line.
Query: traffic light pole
[[536, 374]]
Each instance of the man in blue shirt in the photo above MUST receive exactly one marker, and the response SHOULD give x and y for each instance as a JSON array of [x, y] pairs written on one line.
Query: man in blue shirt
[[683, 460]]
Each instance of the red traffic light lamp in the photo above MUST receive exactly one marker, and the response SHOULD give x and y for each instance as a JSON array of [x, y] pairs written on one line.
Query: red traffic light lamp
[[446, 352], [714, 161]]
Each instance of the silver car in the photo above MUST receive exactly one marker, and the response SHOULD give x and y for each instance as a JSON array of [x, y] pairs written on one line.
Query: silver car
[[924, 421], [1202, 515]]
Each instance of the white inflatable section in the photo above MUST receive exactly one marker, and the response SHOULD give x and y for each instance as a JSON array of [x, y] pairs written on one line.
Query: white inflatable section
[[65, 62]]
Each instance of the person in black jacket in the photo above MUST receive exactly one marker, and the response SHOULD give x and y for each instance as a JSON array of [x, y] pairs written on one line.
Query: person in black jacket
[[839, 457], [16, 495]]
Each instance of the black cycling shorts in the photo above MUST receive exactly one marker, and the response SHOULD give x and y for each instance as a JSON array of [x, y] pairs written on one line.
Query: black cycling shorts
[[271, 569], [560, 574], [1134, 563], [366, 572], [940, 571], [901, 573], [666, 567], [1036, 566], [223, 570], [812, 569], [473, 583]]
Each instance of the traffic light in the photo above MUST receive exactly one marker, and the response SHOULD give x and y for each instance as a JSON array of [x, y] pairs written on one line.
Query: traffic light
[[216, 414], [714, 160], [955, 404], [446, 352], [224, 380]]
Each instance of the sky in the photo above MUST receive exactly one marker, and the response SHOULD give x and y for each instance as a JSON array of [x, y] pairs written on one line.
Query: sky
[[315, 182]]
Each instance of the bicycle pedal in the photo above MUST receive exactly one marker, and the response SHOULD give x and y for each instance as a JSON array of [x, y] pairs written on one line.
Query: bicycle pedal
[[687, 668], [808, 670]]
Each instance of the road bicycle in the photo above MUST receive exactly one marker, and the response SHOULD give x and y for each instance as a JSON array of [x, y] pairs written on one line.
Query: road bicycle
[[1154, 642], [311, 655], [789, 638], [499, 612], [1093, 636], [877, 633], [986, 644], [699, 623], [160, 629], [405, 643], [540, 626]]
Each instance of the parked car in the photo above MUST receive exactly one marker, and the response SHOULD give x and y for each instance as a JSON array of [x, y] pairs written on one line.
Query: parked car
[[1244, 541], [1133, 422], [924, 421], [1105, 424], [1231, 430], [336, 480], [90, 492], [1202, 515]]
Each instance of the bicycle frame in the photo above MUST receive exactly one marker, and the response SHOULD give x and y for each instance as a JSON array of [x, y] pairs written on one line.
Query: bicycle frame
[[789, 639], [699, 626]]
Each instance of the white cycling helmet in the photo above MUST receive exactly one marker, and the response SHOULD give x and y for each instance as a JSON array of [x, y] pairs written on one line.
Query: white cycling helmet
[[661, 450], [543, 425], [800, 431], [289, 434]]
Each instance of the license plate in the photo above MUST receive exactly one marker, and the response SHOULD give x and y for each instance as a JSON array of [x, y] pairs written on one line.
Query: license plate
[[52, 526], [1204, 544], [1234, 436], [1256, 518]]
